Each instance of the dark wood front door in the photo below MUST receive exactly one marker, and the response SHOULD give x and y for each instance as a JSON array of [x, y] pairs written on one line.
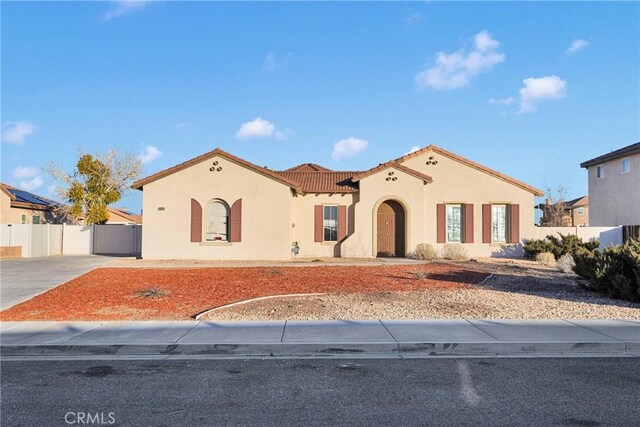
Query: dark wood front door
[[390, 233]]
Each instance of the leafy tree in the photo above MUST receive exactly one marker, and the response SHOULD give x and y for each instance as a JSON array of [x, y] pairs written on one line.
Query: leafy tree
[[96, 181]]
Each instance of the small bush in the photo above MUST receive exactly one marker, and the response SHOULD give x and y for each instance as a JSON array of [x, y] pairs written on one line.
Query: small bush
[[455, 252], [152, 293], [421, 275], [558, 246], [546, 258], [566, 264], [426, 252]]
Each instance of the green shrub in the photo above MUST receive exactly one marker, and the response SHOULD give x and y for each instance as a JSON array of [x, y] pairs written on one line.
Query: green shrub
[[558, 246], [614, 271]]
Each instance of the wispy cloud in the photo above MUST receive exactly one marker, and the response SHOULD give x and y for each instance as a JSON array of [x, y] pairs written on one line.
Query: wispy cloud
[[576, 46], [150, 154], [273, 61], [348, 147], [502, 101], [414, 18], [120, 8], [261, 128], [413, 149], [534, 91], [455, 70], [28, 178], [17, 132]]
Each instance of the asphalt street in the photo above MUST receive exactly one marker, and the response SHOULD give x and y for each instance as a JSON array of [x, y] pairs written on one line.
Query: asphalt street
[[524, 391]]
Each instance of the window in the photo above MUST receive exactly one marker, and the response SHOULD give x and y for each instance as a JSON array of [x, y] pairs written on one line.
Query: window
[[217, 225], [580, 211], [454, 223], [625, 165], [330, 223], [35, 219], [24, 219], [499, 223], [599, 172]]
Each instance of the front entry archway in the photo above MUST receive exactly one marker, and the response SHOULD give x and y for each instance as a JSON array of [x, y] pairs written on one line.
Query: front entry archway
[[390, 229]]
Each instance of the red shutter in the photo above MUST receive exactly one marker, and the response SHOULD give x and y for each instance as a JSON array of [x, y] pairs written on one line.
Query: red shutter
[[514, 223], [235, 232], [467, 218], [196, 221], [486, 223], [317, 224], [342, 222], [441, 223]]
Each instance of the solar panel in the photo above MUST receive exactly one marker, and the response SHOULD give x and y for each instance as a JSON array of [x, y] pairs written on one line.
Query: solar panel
[[24, 196]]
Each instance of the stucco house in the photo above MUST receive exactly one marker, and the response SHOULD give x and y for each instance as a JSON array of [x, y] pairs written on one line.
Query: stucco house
[[220, 206], [23, 207], [575, 212], [122, 216], [614, 187]]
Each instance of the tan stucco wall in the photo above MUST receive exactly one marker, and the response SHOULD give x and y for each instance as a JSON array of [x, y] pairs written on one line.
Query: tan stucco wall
[[12, 215], [615, 198], [453, 182], [266, 213], [304, 226]]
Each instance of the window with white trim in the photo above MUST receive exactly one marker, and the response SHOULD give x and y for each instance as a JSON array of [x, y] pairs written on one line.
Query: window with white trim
[[600, 171], [499, 223], [454, 223], [217, 222], [330, 223], [625, 165]]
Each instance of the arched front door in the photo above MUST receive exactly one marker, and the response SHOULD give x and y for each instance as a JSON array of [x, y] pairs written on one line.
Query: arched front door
[[390, 232]]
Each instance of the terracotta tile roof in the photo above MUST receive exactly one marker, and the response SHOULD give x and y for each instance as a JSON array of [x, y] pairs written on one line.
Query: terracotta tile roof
[[580, 201], [322, 181], [308, 167], [624, 151], [393, 164], [472, 164], [139, 184]]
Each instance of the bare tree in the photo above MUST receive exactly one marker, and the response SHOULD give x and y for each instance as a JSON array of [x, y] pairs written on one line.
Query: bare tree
[[95, 182], [554, 208]]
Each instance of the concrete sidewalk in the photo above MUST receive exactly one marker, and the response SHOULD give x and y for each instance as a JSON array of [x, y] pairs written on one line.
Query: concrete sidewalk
[[429, 338]]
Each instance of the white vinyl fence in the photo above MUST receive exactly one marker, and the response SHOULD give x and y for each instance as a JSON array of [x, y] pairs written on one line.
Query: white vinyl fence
[[39, 240]]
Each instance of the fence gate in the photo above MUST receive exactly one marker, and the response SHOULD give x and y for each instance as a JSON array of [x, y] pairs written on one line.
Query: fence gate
[[117, 239]]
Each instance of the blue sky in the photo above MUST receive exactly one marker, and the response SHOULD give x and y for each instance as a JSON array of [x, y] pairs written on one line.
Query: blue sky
[[530, 89]]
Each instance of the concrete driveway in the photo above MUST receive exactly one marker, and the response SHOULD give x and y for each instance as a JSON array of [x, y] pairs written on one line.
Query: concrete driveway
[[22, 279]]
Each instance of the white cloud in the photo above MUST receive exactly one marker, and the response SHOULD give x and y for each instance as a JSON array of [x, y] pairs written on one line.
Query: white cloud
[[273, 62], [455, 70], [150, 154], [413, 149], [282, 135], [576, 45], [502, 101], [261, 128], [125, 7], [25, 172], [540, 89], [31, 184], [17, 132], [348, 147], [412, 19]]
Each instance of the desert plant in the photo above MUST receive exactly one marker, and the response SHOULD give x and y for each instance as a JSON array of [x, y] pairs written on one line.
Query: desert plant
[[426, 252], [566, 263], [421, 275], [546, 258], [152, 293], [558, 246], [455, 252]]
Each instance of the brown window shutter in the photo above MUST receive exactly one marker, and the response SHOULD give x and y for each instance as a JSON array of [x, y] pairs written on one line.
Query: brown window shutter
[[342, 222], [486, 223], [318, 224], [514, 223], [196, 221], [441, 223], [467, 218], [235, 231]]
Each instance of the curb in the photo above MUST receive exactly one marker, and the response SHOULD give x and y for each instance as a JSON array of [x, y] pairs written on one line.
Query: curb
[[331, 350]]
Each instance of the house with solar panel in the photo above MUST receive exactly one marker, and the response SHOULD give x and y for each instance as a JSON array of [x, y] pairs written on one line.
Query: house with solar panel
[[23, 207]]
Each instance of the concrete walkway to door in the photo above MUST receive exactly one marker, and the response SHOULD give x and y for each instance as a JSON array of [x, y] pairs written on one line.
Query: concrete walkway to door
[[22, 279]]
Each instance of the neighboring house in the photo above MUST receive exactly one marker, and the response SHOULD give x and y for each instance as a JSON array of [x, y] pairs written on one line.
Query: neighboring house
[[123, 216], [575, 213], [22, 207], [614, 187], [220, 206]]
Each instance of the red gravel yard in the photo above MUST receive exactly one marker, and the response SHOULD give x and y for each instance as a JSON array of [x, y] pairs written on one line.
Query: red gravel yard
[[181, 293]]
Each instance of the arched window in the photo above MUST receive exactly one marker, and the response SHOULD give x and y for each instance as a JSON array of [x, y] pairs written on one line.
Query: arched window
[[217, 222]]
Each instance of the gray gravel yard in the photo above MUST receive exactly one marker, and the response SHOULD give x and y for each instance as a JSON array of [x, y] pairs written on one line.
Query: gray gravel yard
[[516, 289]]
